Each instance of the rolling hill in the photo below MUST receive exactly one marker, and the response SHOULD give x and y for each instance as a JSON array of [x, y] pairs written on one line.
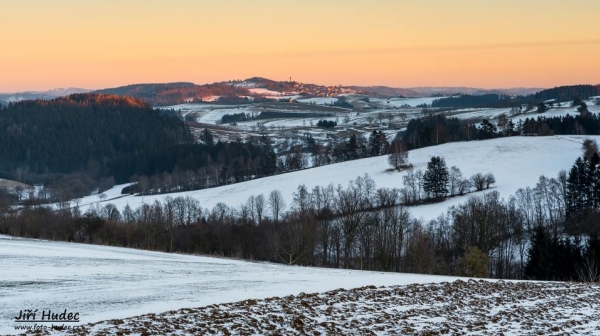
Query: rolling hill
[[516, 162]]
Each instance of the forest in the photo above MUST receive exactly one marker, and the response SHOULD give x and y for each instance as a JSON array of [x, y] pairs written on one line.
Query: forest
[[82, 142], [431, 130], [530, 235], [81, 132]]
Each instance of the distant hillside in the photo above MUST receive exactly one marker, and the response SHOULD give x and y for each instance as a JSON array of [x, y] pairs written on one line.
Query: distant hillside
[[496, 100], [178, 93], [260, 82], [231, 92], [387, 91], [143, 89], [440, 91], [81, 132], [6, 98], [566, 93]]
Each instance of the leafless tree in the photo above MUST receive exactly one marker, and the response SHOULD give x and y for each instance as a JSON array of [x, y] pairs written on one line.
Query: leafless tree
[[589, 271], [276, 204], [398, 156]]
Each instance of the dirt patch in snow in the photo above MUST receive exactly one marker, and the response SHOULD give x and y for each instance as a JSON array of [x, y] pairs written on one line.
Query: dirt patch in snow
[[460, 307]]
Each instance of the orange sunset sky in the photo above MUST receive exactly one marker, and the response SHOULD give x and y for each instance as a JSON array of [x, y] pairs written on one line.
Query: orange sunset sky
[[403, 43]]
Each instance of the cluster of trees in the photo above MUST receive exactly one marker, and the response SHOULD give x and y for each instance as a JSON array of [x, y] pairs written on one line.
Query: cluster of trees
[[438, 182], [582, 124], [354, 148], [566, 93], [200, 166], [197, 166], [341, 102], [236, 117], [485, 100], [438, 129], [326, 123], [551, 257]]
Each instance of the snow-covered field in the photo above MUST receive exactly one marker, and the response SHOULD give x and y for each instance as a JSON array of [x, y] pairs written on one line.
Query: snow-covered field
[[516, 162], [319, 100], [401, 102], [457, 308], [102, 282], [186, 295]]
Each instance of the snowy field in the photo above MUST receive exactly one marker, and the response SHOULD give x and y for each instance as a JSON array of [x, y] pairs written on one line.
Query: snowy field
[[319, 100], [103, 282], [456, 308], [516, 162], [185, 295], [402, 102]]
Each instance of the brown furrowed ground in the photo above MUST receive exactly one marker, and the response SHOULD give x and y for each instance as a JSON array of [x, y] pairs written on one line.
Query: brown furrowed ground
[[460, 307]]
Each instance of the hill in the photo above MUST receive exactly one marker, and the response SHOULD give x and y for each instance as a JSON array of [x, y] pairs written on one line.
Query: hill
[[81, 132], [497, 98], [441, 91], [568, 93], [6, 98], [143, 89], [517, 162], [255, 89]]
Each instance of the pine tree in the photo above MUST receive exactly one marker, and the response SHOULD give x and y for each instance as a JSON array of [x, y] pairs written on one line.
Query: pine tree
[[374, 143], [435, 179], [593, 174], [539, 264], [207, 137], [573, 196], [352, 148]]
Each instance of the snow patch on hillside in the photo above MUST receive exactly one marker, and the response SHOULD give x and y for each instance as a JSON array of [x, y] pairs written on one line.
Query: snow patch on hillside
[[517, 162]]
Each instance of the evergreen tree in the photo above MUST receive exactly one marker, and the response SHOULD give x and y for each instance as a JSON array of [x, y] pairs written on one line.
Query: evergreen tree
[[593, 181], [539, 264], [435, 179], [374, 143], [207, 137], [487, 130], [578, 191], [352, 148]]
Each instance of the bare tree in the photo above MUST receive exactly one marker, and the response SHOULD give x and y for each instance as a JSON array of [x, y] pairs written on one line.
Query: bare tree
[[589, 270], [277, 204], [455, 178], [398, 156], [478, 181], [489, 180], [259, 207]]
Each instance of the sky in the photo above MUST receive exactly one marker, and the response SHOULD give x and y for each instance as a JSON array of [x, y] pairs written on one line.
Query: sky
[[402, 43]]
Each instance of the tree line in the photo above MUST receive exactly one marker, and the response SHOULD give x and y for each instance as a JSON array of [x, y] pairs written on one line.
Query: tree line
[[431, 130], [562, 93]]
